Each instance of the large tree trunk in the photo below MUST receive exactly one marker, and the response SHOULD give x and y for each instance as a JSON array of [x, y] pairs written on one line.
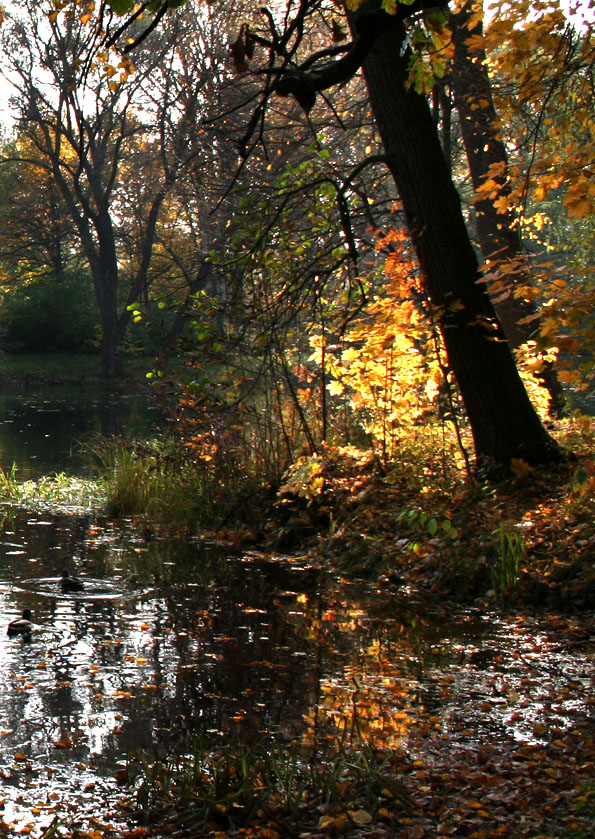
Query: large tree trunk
[[499, 239], [503, 421], [104, 268]]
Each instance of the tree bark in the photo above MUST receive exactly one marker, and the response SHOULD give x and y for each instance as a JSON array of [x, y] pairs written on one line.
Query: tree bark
[[498, 238], [503, 421]]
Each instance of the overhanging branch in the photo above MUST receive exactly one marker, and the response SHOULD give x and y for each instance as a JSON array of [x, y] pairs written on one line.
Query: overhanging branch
[[304, 83]]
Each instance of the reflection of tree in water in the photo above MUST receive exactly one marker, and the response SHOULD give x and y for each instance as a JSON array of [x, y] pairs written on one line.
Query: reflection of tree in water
[[44, 429], [241, 670]]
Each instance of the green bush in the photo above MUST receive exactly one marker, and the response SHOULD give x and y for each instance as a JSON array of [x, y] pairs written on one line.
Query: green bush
[[50, 315]]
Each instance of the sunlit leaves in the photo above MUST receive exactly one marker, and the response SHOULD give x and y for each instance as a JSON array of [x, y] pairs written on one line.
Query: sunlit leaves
[[432, 50], [383, 368], [305, 478], [541, 81]]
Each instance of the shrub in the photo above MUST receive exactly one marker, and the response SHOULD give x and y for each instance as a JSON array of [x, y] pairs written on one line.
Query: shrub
[[45, 314]]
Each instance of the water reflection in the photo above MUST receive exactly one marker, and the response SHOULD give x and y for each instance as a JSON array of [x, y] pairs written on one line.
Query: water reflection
[[42, 427], [117, 669], [189, 643], [92, 589]]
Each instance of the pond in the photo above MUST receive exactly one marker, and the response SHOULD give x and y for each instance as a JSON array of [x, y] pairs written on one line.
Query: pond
[[43, 428], [173, 644], [167, 644]]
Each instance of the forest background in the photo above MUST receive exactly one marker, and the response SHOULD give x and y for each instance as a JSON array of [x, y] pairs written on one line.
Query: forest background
[[351, 249], [352, 240]]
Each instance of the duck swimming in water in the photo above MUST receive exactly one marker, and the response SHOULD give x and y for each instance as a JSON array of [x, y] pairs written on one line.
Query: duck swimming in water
[[69, 583], [21, 626]]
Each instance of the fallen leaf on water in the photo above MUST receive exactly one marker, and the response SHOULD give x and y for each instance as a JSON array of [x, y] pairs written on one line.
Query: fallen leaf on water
[[63, 743]]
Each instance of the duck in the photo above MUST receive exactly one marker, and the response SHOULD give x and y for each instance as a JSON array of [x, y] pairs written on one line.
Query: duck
[[69, 583], [21, 626]]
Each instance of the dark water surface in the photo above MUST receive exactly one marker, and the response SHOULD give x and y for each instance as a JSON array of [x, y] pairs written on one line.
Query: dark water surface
[[170, 644], [43, 428]]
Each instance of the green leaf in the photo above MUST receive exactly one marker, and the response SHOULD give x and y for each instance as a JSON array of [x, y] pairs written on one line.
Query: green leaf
[[120, 7]]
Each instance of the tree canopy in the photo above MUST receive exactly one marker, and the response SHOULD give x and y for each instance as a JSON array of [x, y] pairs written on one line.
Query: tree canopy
[[266, 177]]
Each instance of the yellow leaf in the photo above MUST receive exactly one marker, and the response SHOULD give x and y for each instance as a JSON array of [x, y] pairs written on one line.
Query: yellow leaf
[[326, 821], [475, 42], [335, 388], [501, 204], [360, 816]]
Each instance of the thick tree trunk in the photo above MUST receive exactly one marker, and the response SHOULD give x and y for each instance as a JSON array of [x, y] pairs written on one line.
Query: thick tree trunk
[[503, 421], [111, 361], [104, 266], [499, 239]]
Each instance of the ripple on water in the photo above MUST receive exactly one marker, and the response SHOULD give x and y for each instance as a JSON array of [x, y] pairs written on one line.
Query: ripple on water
[[95, 589]]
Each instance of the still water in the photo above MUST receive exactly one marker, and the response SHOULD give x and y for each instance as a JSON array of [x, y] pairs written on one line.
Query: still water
[[170, 643], [44, 429]]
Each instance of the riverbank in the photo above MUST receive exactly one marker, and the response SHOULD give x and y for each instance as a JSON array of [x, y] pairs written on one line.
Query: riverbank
[[527, 542], [418, 522], [66, 368]]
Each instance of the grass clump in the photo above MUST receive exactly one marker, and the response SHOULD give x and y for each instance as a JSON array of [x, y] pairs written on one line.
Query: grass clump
[[505, 572], [272, 786], [58, 491], [162, 483]]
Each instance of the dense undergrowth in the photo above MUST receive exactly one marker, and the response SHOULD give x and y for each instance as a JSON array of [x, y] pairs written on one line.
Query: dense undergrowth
[[271, 791], [418, 520]]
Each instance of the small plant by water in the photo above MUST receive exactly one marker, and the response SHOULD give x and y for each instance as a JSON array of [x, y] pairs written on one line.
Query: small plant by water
[[272, 784], [57, 490], [505, 573]]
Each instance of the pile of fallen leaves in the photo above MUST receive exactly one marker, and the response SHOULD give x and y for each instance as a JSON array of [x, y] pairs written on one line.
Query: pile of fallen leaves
[[427, 524], [485, 788]]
